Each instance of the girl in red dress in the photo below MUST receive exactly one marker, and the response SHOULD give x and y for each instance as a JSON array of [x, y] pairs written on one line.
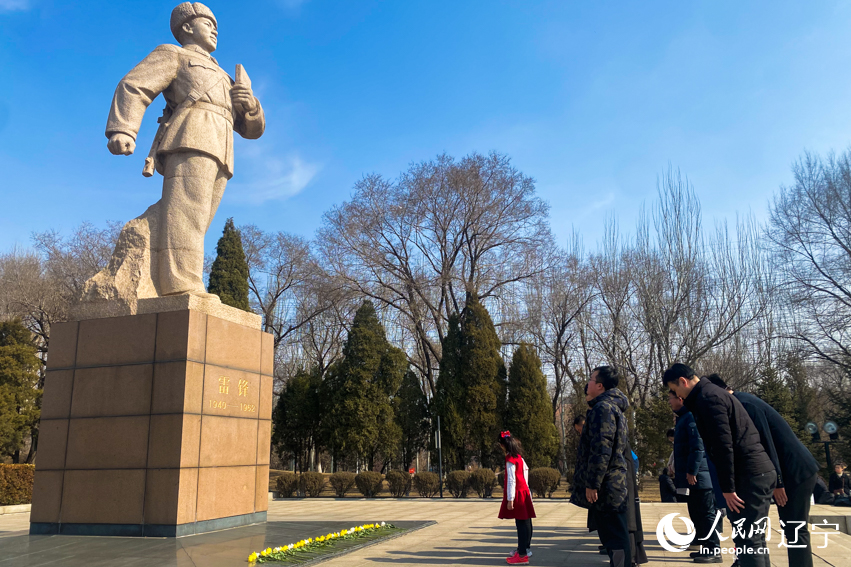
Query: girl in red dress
[[516, 498]]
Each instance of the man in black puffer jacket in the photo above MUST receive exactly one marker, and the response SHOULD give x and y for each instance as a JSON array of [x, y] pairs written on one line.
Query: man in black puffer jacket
[[600, 480], [745, 472]]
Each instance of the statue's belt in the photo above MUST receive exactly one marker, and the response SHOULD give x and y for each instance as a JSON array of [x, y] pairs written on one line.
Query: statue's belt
[[216, 109]]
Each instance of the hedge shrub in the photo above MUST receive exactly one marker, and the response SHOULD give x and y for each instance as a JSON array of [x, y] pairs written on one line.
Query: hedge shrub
[[399, 483], [342, 482], [311, 484], [368, 483], [544, 481], [483, 481], [426, 483], [286, 485], [458, 483], [16, 484]]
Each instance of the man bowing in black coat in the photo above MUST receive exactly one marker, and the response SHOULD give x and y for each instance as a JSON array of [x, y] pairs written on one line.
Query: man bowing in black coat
[[745, 472], [796, 470]]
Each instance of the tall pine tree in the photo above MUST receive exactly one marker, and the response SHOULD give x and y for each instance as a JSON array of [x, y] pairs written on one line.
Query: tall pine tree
[[471, 388], [296, 418], [411, 408], [449, 398], [20, 397], [529, 410], [229, 274], [483, 377], [359, 417]]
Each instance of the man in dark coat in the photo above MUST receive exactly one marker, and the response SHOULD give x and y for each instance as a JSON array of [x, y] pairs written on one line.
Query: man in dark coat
[[796, 469], [692, 478], [602, 472], [745, 473], [667, 488], [840, 482]]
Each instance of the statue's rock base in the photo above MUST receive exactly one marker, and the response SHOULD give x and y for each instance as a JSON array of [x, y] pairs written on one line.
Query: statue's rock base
[[154, 424], [208, 306]]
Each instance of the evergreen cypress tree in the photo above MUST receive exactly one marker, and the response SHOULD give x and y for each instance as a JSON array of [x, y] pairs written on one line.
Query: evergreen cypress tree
[[449, 398], [529, 411], [774, 391], [296, 418], [482, 373], [411, 409], [229, 274], [358, 392], [20, 397]]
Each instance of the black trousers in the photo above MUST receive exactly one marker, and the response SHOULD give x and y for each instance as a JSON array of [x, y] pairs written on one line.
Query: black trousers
[[701, 509], [797, 510], [613, 529], [756, 491], [524, 535]]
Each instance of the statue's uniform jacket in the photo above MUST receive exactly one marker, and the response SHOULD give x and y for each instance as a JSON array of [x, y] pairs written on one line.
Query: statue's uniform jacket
[[195, 153], [206, 126]]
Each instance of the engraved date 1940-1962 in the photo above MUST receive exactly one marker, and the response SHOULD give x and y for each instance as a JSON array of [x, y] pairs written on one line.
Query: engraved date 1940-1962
[[242, 390], [221, 404]]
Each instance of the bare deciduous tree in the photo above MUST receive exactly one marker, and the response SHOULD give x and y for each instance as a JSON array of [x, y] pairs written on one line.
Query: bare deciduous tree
[[810, 234], [418, 245]]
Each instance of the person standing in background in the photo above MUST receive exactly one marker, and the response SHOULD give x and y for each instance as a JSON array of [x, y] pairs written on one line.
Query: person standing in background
[[692, 480]]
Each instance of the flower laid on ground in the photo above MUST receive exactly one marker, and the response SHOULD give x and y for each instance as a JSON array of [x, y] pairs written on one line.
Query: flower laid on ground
[[288, 551]]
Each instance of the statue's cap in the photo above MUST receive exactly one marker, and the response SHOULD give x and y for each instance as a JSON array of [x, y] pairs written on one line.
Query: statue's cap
[[187, 11]]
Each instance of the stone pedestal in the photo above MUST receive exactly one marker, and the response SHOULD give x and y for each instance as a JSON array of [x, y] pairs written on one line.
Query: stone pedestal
[[154, 424]]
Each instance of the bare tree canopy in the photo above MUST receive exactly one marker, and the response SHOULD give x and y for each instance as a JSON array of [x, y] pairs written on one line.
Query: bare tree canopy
[[445, 228], [810, 234]]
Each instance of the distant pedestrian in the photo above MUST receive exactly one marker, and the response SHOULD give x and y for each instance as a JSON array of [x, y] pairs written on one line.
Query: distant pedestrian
[[667, 489], [840, 482], [578, 423], [745, 472], [516, 497]]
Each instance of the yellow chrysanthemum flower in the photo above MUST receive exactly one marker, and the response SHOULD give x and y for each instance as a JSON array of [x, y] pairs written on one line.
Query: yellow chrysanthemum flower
[[252, 558]]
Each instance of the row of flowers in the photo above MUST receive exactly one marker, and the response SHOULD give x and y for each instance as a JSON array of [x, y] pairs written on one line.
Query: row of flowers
[[287, 551]]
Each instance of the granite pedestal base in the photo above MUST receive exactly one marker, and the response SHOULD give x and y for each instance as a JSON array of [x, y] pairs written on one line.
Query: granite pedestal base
[[156, 424]]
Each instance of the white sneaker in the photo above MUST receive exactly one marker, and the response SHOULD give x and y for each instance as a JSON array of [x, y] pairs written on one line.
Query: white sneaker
[[528, 552]]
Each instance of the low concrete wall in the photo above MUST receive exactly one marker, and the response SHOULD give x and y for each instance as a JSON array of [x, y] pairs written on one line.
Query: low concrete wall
[[829, 522], [19, 509]]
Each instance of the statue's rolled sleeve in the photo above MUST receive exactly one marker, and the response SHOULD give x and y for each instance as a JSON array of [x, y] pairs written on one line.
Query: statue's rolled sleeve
[[139, 88], [252, 124]]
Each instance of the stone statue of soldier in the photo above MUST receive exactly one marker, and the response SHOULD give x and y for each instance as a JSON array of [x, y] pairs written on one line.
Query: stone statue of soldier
[[193, 151]]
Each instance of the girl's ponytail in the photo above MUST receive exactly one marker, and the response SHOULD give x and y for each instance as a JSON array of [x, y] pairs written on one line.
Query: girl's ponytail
[[511, 444]]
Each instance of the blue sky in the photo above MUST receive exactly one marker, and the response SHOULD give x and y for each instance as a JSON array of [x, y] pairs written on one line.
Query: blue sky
[[592, 99]]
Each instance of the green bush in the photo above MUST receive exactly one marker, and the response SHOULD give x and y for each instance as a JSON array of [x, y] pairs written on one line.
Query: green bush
[[342, 482], [311, 484], [368, 483], [16, 484], [458, 483], [544, 481], [483, 481], [427, 484], [286, 485], [500, 479], [399, 483]]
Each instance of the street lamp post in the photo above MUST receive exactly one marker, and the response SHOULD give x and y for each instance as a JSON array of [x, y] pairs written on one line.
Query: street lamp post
[[832, 431], [439, 456]]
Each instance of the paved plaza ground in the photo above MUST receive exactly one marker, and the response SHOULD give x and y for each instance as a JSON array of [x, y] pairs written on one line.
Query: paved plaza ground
[[465, 532]]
